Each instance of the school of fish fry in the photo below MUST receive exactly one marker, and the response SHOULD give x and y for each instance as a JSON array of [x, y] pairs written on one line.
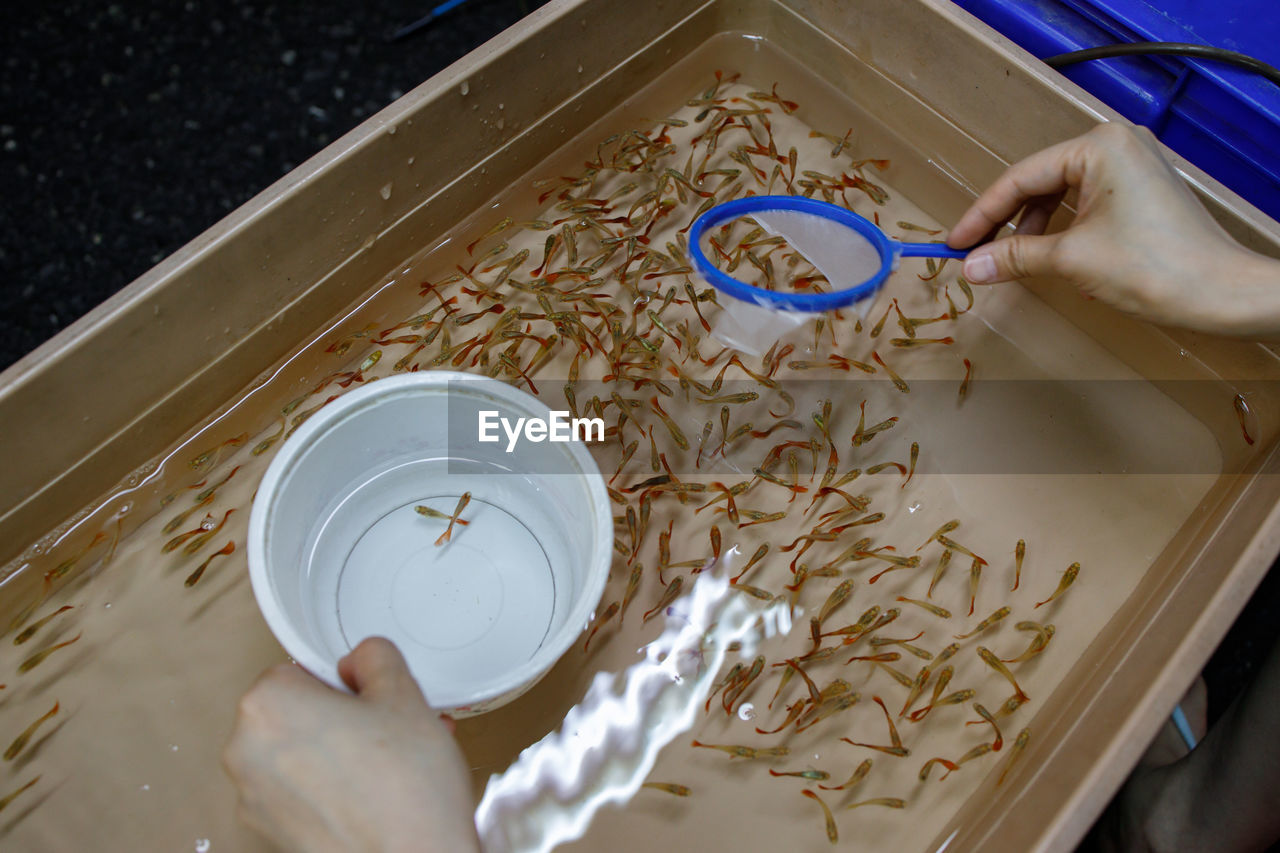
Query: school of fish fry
[[904, 665]]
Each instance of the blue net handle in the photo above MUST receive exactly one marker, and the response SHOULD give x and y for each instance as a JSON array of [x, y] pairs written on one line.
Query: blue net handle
[[888, 250]]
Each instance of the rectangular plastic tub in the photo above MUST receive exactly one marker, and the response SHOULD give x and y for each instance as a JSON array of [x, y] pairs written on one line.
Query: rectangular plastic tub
[[129, 406], [1217, 116]]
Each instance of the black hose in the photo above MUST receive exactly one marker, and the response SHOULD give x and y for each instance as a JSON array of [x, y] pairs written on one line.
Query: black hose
[[1168, 48]]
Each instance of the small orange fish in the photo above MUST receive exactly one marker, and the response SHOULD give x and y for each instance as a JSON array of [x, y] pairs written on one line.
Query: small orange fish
[[829, 707], [917, 687], [21, 740], [793, 713], [941, 531], [633, 584], [176, 522], [985, 623], [939, 571], [735, 690], [898, 676], [887, 802], [746, 751], [38, 658], [907, 343], [668, 596], [860, 772], [944, 678], [946, 654], [940, 612], [837, 597], [212, 454], [987, 717], [1019, 744], [733, 673], [435, 513], [30, 631], [1019, 552], [668, 787], [895, 742], [1068, 578], [833, 834], [811, 775], [977, 752], [194, 577], [975, 575], [213, 490], [609, 613], [13, 795], [755, 558], [946, 542], [447, 536], [502, 225], [994, 662], [1012, 704], [1242, 414], [882, 657], [964, 384], [951, 767], [203, 539], [898, 381], [1038, 643], [177, 541]]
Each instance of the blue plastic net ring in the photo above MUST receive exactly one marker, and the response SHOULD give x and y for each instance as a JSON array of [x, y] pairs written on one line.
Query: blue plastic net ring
[[803, 302]]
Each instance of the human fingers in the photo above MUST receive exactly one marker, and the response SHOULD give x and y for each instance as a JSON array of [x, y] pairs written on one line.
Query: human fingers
[[262, 701], [260, 712], [1037, 213], [1009, 258], [375, 669], [1046, 173]]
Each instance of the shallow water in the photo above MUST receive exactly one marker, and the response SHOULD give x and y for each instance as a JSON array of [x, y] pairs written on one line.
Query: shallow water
[[147, 694]]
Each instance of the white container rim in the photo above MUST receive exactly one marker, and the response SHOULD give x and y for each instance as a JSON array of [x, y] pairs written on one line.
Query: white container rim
[[356, 402]]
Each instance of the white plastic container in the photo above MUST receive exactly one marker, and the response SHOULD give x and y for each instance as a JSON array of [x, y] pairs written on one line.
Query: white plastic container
[[337, 551]]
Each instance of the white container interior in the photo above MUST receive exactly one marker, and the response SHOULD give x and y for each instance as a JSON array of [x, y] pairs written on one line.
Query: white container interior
[[337, 552]]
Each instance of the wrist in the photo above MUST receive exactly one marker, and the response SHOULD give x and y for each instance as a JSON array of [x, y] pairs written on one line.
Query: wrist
[[1246, 299]]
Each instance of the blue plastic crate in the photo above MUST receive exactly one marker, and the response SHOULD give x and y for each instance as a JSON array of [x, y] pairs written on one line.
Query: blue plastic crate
[[1224, 119]]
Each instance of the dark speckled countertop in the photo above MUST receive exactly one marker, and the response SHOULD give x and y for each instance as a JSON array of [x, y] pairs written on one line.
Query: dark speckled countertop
[[127, 129]]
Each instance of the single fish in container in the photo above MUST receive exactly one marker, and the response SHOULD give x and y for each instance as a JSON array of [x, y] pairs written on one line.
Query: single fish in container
[[447, 536]]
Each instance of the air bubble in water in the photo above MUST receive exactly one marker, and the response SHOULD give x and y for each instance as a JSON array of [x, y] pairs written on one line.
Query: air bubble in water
[[385, 192]]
